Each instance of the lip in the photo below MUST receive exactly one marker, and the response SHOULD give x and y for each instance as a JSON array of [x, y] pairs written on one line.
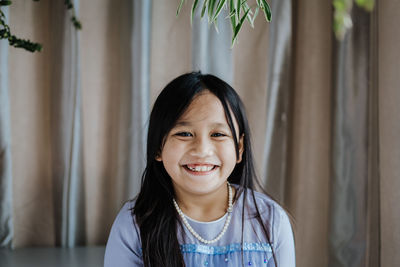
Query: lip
[[200, 173]]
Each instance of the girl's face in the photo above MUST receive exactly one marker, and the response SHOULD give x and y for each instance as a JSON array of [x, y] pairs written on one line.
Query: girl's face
[[199, 152]]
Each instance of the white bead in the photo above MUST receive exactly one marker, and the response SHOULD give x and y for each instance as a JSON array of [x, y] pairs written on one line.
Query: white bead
[[194, 233]]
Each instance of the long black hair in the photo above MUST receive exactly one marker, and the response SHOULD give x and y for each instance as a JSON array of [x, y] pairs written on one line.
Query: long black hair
[[154, 212]]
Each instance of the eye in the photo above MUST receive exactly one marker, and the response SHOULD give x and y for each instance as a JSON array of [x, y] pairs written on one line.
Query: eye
[[218, 135], [184, 134]]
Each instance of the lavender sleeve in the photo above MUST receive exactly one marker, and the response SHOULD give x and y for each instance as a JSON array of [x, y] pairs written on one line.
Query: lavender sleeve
[[284, 247], [123, 246]]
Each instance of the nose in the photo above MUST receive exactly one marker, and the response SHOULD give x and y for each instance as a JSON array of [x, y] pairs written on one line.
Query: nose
[[202, 147]]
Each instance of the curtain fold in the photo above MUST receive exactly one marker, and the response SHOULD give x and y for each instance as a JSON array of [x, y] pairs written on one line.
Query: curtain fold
[[279, 93], [373, 243], [350, 150], [134, 106], [66, 125], [211, 52], [389, 130], [310, 155], [6, 209], [139, 94]]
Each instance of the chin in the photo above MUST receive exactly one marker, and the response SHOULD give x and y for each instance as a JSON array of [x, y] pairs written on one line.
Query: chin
[[203, 187]]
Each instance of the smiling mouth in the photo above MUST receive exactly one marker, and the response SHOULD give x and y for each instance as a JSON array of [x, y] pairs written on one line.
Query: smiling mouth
[[198, 168]]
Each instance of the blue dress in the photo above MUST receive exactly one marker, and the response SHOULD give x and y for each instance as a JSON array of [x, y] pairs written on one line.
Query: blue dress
[[124, 246]]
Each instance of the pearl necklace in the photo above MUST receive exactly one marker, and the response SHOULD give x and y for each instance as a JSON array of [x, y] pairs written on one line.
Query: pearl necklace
[[227, 222]]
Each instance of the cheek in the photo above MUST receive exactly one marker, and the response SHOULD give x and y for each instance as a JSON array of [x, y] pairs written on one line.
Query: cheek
[[228, 151], [229, 146], [169, 163], [170, 154]]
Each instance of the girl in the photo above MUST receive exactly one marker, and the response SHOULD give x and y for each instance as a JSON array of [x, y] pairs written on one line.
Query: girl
[[196, 205]]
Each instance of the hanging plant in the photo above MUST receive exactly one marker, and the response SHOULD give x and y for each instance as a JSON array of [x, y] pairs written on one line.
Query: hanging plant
[[239, 11], [5, 32], [70, 6]]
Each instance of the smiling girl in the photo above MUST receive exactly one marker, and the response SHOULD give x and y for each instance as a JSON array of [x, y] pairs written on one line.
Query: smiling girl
[[197, 205]]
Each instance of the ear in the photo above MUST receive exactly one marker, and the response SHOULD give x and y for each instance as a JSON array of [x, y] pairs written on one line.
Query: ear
[[158, 157], [241, 149]]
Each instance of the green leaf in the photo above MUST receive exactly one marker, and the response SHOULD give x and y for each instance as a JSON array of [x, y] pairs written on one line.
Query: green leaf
[[25, 44], [267, 10], [2, 16], [366, 4], [232, 14], [239, 26], [69, 4], [5, 3], [231, 6], [3, 34], [341, 5], [220, 5], [178, 10], [194, 6], [248, 17], [246, 6], [77, 24], [204, 8], [237, 8], [255, 15], [233, 23], [215, 22], [211, 6]]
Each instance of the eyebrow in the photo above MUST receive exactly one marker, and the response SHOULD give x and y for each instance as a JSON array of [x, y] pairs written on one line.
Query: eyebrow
[[214, 125]]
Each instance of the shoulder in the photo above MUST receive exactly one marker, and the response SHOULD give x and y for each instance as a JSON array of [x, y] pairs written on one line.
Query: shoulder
[[265, 204], [281, 228], [125, 222], [266, 200], [272, 214], [123, 245]]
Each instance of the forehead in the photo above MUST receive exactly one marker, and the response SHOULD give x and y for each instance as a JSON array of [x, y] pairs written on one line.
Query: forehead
[[204, 106]]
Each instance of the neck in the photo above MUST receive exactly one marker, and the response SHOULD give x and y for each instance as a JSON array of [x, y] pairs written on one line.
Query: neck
[[208, 207]]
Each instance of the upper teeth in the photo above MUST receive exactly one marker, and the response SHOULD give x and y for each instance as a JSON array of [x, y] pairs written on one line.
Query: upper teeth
[[201, 168]]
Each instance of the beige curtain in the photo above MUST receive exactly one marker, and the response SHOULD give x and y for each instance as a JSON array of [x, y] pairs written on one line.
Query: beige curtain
[[308, 188], [389, 129], [307, 191]]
